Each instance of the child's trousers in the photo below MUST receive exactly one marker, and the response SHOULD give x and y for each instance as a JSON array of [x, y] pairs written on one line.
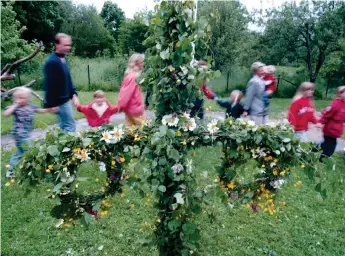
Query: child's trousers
[[22, 146]]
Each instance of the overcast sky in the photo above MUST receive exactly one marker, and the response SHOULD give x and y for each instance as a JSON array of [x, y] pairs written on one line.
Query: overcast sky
[[130, 7]]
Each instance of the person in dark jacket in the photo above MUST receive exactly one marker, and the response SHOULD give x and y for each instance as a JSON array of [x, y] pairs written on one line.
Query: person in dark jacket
[[58, 86], [333, 120], [233, 106]]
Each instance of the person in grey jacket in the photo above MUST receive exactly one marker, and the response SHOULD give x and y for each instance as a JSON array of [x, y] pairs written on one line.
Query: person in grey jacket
[[254, 105]]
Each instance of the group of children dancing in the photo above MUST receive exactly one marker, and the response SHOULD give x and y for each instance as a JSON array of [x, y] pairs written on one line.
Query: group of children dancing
[[301, 112]]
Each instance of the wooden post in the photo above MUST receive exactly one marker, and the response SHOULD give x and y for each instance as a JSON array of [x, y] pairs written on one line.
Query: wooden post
[[88, 73], [327, 87], [227, 81]]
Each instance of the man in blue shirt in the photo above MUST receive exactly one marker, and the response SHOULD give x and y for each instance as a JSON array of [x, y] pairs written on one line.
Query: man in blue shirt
[[58, 86]]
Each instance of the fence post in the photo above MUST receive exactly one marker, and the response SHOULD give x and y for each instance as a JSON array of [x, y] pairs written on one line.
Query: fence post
[[88, 73], [278, 83], [18, 72]]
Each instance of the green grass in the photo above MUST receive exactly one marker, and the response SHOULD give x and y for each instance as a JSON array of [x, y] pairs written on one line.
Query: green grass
[[41, 120], [307, 225]]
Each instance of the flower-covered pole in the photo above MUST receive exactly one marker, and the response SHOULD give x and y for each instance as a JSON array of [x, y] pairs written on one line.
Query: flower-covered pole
[[178, 41]]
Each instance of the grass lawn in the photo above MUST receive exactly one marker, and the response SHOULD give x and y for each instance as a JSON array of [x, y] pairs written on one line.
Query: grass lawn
[[41, 120], [307, 225]]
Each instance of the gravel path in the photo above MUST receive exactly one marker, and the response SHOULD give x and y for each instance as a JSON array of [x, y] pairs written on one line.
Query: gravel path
[[7, 142]]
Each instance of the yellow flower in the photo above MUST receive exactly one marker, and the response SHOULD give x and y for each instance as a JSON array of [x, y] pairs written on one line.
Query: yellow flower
[[8, 166], [230, 122], [231, 185], [283, 203], [48, 190], [147, 194], [302, 166], [140, 129], [184, 142], [275, 160], [13, 180], [76, 150], [178, 81], [136, 137], [282, 173], [104, 213], [160, 90], [131, 206], [112, 162], [97, 179], [53, 196], [123, 195], [262, 186], [7, 184], [107, 184], [148, 201], [172, 69], [193, 143], [92, 143], [47, 170], [178, 133], [122, 159], [141, 230], [275, 172]]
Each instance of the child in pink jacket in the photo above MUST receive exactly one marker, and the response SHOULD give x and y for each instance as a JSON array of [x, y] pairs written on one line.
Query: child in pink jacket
[[130, 96]]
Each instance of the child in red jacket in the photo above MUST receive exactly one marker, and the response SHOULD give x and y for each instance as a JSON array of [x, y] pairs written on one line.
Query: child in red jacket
[[99, 111], [301, 110], [333, 119], [270, 83]]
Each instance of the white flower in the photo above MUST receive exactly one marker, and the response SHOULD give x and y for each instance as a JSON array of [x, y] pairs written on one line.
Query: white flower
[[273, 164], [106, 136], [186, 115], [148, 122], [101, 166], [212, 127], [117, 134], [277, 183], [177, 168], [59, 223], [84, 156], [231, 205], [189, 125], [189, 166], [251, 123], [170, 120], [261, 171]]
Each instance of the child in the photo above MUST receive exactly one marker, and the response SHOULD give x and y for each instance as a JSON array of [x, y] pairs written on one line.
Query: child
[[23, 113], [301, 110], [233, 106], [99, 111], [333, 119], [270, 82], [198, 108]]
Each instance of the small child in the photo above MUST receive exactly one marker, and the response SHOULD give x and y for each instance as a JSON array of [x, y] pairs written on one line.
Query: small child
[[333, 119], [270, 82], [99, 111], [23, 113], [301, 110], [233, 106]]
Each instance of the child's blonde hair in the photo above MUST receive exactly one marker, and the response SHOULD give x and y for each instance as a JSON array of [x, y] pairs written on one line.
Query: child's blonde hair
[[340, 90], [133, 62], [236, 95], [98, 94], [270, 69], [22, 91], [305, 86]]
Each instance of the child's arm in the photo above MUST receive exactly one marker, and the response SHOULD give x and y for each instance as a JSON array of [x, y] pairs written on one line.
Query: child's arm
[[223, 103], [81, 108], [293, 110], [47, 110], [208, 93], [113, 109], [9, 111], [328, 113]]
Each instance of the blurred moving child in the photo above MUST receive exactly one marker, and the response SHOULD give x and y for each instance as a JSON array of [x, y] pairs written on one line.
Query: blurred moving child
[[233, 106], [302, 111], [270, 83], [99, 111], [23, 116], [333, 119]]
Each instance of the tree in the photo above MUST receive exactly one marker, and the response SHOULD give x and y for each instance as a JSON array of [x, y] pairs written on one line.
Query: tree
[[131, 36], [88, 32], [229, 30], [308, 32], [113, 17], [12, 46], [43, 19]]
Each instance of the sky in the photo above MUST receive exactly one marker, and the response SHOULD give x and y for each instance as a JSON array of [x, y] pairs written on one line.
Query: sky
[[130, 7]]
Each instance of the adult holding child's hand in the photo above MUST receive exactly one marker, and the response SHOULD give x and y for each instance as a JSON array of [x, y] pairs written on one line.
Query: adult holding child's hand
[[130, 96]]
